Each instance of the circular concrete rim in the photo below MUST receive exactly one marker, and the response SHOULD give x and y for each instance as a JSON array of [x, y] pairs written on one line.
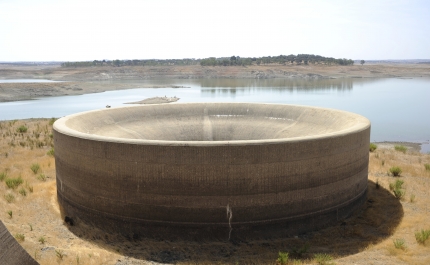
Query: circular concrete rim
[[60, 126]]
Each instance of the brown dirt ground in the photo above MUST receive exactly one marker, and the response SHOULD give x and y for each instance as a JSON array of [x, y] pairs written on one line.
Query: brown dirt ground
[[89, 79], [365, 238]]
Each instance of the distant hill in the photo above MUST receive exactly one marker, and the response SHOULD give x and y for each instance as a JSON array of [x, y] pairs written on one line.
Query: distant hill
[[410, 61], [30, 63]]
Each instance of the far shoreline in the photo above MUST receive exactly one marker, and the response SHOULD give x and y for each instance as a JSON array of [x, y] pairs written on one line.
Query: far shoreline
[[86, 80]]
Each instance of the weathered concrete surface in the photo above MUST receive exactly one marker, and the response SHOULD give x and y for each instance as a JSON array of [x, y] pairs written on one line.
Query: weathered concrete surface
[[186, 164], [11, 252]]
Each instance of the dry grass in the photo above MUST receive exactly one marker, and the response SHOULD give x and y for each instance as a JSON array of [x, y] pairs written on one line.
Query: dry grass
[[366, 238]]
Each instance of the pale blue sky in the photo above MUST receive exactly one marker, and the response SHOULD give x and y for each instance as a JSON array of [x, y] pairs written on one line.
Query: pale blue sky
[[61, 30]]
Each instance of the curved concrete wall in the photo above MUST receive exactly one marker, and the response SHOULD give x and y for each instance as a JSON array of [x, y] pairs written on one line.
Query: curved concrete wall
[[267, 163], [11, 252]]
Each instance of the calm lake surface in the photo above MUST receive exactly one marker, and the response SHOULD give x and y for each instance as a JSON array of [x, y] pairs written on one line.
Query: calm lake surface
[[399, 109]]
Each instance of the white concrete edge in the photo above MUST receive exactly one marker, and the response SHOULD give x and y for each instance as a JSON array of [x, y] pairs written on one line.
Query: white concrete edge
[[60, 126]]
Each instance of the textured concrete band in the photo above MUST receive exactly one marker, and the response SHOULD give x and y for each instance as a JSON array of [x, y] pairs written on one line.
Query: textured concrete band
[[11, 252], [211, 164]]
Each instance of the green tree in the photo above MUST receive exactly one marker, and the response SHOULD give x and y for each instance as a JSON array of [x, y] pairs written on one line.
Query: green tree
[[362, 62]]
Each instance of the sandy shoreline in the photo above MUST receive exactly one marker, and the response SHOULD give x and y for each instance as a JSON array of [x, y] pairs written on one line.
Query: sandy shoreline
[[99, 79]]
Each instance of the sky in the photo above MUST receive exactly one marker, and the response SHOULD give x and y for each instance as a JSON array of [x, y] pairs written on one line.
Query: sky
[[84, 30]]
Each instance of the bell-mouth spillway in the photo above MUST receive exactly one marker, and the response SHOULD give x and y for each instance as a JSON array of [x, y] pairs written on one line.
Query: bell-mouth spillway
[[222, 122], [187, 164]]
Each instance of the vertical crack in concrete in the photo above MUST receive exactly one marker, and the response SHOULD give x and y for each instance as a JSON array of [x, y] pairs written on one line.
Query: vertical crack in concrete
[[229, 216]]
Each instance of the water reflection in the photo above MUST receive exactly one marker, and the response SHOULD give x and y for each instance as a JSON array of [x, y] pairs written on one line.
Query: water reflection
[[282, 84], [247, 84], [230, 87]]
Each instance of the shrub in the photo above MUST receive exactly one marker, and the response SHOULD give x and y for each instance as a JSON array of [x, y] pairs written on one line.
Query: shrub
[[22, 129], [23, 192], [3, 176], [427, 166], [298, 252], [399, 244], [282, 257], [35, 168], [323, 259], [51, 152], [60, 254], [396, 171], [422, 236], [30, 188], [397, 185], [13, 183], [399, 193], [10, 213], [42, 240], [401, 148], [397, 189], [412, 198], [372, 147], [9, 197], [41, 177], [20, 237], [52, 120]]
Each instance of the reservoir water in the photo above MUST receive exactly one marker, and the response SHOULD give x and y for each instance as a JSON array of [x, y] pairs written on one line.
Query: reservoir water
[[399, 109]]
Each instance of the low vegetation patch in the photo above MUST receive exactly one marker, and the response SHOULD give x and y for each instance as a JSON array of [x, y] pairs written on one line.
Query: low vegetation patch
[[323, 259], [299, 252], [22, 129], [401, 148], [20, 237], [41, 177], [23, 192], [9, 197], [395, 171], [427, 167], [60, 254], [28, 186], [35, 168], [3, 175], [397, 188], [13, 183], [282, 258], [422, 236], [372, 147], [51, 152], [400, 243], [52, 120]]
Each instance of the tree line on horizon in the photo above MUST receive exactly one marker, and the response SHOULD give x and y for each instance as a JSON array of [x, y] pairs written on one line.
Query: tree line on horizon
[[220, 61]]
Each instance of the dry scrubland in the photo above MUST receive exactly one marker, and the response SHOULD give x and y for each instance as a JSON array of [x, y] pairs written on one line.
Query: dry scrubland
[[382, 232]]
